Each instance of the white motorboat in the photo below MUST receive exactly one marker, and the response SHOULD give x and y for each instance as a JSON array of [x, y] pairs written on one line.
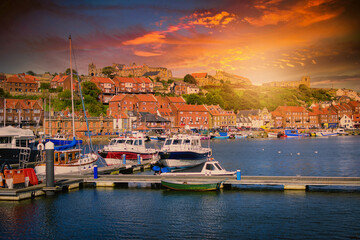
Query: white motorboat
[[208, 168], [182, 151], [132, 147]]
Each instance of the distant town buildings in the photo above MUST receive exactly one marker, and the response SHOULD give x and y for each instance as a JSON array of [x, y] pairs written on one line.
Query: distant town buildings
[[132, 70], [290, 84]]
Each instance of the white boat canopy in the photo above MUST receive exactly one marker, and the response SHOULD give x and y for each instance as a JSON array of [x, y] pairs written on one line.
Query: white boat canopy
[[16, 132]]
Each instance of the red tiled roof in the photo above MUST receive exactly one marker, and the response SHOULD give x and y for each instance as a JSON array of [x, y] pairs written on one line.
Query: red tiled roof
[[124, 80], [102, 80], [191, 108], [176, 99], [117, 98], [21, 79], [291, 109], [199, 75], [146, 98]]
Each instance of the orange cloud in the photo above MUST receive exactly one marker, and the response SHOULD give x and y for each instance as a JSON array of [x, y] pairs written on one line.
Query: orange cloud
[[207, 21], [153, 37], [301, 14], [146, 54]]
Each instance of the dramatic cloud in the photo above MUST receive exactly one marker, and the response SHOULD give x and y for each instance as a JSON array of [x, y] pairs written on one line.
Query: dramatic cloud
[[263, 40]]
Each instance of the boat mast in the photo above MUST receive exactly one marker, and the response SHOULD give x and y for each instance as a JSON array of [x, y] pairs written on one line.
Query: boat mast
[[4, 112], [72, 92]]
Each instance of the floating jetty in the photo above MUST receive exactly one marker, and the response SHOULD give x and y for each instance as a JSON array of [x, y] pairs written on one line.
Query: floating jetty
[[126, 180]]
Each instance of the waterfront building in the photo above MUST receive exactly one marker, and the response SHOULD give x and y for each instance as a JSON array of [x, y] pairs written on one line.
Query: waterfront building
[[150, 121], [293, 116], [356, 120], [258, 117], [219, 118], [192, 116], [277, 118], [19, 112], [346, 122], [289, 84], [64, 81], [20, 83], [61, 122], [243, 122], [341, 109], [107, 87], [133, 102]]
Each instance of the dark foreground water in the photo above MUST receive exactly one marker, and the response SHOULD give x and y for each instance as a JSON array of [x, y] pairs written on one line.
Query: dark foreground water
[[107, 213]]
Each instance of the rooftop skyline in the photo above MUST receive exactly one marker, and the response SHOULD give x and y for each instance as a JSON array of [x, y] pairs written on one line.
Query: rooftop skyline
[[263, 40]]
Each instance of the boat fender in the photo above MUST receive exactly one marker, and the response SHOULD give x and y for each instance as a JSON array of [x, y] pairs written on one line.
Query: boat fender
[[40, 146]]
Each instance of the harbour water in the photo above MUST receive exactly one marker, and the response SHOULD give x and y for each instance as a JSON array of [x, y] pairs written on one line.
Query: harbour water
[[107, 213]]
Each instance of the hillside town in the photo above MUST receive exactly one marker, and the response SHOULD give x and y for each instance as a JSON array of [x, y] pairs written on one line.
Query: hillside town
[[136, 99]]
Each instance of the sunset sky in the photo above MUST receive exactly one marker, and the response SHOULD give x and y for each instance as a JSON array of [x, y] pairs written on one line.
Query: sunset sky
[[263, 40]]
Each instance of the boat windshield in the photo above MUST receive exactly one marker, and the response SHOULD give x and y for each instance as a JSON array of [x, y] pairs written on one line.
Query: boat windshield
[[210, 167], [168, 142], [5, 139], [218, 166], [138, 142], [177, 141], [130, 142], [187, 142]]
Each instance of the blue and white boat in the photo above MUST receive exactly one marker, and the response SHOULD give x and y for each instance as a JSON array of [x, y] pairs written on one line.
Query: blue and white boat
[[295, 133], [183, 151]]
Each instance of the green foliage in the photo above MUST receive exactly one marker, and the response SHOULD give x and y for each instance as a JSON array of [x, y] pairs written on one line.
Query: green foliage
[[30, 73], [108, 71], [194, 99], [44, 85], [67, 72], [4, 94], [189, 79], [170, 81], [90, 88]]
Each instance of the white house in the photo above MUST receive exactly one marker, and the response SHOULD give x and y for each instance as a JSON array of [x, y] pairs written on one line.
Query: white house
[[346, 122]]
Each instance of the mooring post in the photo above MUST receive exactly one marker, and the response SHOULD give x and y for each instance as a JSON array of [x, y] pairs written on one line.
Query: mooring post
[[124, 158], [139, 159], [50, 179], [95, 171], [238, 174]]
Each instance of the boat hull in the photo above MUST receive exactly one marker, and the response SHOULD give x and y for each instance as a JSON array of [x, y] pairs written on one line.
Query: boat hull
[[12, 155], [326, 134], [191, 186], [83, 164], [182, 159], [116, 157]]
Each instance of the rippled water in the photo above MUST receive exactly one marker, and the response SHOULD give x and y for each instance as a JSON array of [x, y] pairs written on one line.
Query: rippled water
[[107, 213]]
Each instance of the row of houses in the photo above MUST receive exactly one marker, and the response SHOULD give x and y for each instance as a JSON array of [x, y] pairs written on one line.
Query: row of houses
[[20, 83], [147, 111]]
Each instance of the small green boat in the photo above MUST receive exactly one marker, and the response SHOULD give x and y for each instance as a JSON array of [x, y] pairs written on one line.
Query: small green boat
[[191, 186]]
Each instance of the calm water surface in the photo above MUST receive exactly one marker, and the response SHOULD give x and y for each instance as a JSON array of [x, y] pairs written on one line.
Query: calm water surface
[[107, 213]]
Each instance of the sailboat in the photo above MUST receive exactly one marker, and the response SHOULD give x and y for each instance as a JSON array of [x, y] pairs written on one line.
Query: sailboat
[[70, 160]]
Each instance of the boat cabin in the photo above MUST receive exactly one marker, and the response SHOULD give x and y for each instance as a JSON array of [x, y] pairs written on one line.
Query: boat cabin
[[67, 156], [208, 168], [180, 141], [129, 141]]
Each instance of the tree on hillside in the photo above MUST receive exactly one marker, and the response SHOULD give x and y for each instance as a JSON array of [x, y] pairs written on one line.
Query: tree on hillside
[[90, 88], [30, 73], [189, 79], [67, 72], [108, 71], [44, 85], [194, 99], [4, 94]]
